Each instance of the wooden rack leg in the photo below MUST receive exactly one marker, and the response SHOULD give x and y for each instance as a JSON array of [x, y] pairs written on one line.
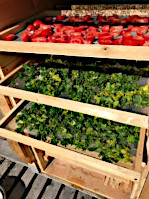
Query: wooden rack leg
[[39, 155]]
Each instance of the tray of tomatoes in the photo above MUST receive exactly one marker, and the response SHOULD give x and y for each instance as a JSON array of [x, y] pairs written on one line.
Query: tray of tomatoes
[[99, 30]]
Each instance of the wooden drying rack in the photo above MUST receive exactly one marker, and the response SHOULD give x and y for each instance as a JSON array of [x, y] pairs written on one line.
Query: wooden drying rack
[[83, 171], [82, 50]]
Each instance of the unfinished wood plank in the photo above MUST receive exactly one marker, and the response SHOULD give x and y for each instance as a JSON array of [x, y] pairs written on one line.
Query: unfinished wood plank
[[139, 155], [78, 159], [40, 158], [4, 166], [10, 113], [84, 179], [145, 191], [67, 193], [81, 50], [36, 187], [51, 190], [4, 107], [93, 110]]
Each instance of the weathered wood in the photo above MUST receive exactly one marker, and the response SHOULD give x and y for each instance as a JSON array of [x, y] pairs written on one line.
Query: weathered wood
[[9, 115], [89, 109], [81, 50], [81, 195], [36, 187], [78, 159], [51, 190], [145, 191], [27, 177], [84, 179], [139, 155]]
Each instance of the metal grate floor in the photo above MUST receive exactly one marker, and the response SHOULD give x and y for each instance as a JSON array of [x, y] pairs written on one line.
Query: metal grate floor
[[20, 182]]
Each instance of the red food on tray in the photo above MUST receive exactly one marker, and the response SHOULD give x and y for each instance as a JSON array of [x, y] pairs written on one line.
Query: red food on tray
[[104, 30]]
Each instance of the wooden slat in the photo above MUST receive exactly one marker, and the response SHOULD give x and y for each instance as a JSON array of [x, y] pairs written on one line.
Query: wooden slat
[[36, 187], [145, 191], [81, 50], [84, 179], [51, 190], [78, 159], [7, 117], [139, 155], [93, 110]]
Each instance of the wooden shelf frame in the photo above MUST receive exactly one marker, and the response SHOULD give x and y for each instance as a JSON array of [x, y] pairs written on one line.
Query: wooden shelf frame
[[89, 109], [79, 160], [82, 50]]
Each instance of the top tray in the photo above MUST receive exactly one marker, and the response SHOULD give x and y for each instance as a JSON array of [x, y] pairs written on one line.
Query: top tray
[[85, 50]]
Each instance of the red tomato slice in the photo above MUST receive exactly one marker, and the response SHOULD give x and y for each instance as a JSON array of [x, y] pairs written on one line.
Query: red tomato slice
[[10, 37], [116, 28], [39, 39], [142, 20], [107, 37], [101, 34], [117, 41], [48, 19], [37, 23], [61, 40], [25, 37], [139, 40], [57, 26], [37, 33], [76, 40], [30, 28], [129, 43], [115, 34], [146, 37], [92, 29], [146, 43], [130, 27], [127, 35], [60, 18], [76, 34], [46, 33], [123, 21], [86, 18], [45, 27], [105, 28], [142, 30], [105, 42]]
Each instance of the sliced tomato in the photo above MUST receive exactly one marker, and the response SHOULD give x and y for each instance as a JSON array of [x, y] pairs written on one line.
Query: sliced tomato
[[87, 41], [37, 23], [91, 38], [129, 28], [86, 18], [30, 28], [92, 29], [123, 21], [127, 35], [146, 37], [115, 34], [139, 40], [25, 37], [57, 26], [39, 39], [46, 33], [80, 28], [128, 42], [117, 41], [52, 38], [105, 28], [105, 42], [61, 40], [106, 37], [75, 34], [101, 34], [142, 30], [76, 40], [114, 21], [146, 43], [48, 19], [142, 20], [37, 33], [60, 17], [135, 28], [10, 37], [45, 27], [116, 28]]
